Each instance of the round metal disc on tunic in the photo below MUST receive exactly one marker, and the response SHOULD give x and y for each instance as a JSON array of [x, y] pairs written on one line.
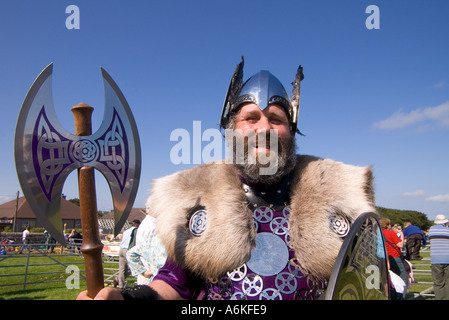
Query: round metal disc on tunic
[[252, 285], [286, 282], [238, 274], [263, 214], [270, 256], [279, 225], [270, 294], [286, 212], [238, 296]]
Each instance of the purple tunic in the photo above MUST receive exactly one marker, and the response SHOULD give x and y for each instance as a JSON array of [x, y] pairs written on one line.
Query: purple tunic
[[272, 272]]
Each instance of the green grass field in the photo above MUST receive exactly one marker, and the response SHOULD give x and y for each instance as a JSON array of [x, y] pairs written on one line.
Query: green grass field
[[51, 270], [52, 277], [421, 269], [46, 276]]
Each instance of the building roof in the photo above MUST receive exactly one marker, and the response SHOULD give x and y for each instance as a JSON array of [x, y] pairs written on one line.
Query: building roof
[[107, 224], [136, 213], [69, 210]]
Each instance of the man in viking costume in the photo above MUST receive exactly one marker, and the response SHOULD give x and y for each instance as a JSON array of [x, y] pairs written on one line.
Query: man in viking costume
[[234, 231]]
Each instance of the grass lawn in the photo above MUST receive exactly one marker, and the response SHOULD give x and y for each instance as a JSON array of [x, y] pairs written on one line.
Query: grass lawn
[[50, 271], [422, 272]]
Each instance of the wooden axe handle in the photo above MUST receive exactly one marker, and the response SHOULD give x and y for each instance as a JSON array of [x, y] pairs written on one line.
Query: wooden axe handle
[[92, 246]]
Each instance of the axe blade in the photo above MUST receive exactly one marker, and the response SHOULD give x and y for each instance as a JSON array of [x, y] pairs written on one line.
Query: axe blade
[[120, 153], [41, 154], [45, 153]]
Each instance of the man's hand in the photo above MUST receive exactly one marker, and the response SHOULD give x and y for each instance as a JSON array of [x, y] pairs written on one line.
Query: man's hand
[[107, 293], [160, 290], [147, 274]]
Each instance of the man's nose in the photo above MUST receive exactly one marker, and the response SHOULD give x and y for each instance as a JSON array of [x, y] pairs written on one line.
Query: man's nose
[[263, 125]]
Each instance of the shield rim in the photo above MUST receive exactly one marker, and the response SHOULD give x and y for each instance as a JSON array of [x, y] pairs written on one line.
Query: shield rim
[[347, 243]]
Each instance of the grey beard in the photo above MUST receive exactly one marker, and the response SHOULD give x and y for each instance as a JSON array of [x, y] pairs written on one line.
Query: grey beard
[[286, 163]]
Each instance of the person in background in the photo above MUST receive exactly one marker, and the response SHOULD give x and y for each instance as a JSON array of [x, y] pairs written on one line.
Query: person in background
[[439, 256], [148, 255], [76, 239], [394, 244], [50, 241], [414, 239], [25, 240], [128, 241], [398, 229]]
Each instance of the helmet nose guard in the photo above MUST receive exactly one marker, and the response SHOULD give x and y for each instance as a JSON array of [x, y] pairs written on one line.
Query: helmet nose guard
[[263, 89]]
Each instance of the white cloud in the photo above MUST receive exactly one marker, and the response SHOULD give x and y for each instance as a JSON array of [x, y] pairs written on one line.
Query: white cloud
[[438, 115], [4, 199], [439, 198], [440, 84], [417, 193]]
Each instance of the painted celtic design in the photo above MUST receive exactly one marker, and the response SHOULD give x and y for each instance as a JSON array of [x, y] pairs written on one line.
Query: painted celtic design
[[113, 150], [52, 153]]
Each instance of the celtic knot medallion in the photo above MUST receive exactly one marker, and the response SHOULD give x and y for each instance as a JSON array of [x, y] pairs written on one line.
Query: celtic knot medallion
[[339, 224], [198, 223], [84, 151]]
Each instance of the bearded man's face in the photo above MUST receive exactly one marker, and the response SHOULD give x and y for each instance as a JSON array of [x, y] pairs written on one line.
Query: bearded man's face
[[269, 147]]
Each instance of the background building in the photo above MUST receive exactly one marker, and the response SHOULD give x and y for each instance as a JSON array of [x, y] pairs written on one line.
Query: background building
[[106, 222], [20, 210]]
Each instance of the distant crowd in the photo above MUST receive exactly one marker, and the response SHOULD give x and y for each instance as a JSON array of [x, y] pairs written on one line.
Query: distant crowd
[[412, 239]]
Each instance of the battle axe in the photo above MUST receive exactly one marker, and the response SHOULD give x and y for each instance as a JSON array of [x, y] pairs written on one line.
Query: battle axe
[[45, 154]]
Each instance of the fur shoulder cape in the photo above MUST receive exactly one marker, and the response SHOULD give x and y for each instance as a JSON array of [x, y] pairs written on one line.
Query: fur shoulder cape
[[320, 188]]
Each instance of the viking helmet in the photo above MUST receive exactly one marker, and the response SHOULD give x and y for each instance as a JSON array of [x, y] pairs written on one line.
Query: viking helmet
[[263, 89]]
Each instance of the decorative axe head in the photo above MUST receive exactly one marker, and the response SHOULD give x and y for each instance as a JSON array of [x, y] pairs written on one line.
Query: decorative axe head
[[45, 153]]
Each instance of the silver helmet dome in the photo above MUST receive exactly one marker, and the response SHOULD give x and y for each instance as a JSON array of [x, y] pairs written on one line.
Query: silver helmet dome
[[263, 89]]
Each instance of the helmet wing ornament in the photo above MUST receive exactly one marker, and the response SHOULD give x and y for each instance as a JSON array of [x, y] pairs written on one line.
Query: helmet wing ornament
[[233, 91]]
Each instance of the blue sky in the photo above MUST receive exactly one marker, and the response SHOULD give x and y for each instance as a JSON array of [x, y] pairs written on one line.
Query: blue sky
[[375, 97]]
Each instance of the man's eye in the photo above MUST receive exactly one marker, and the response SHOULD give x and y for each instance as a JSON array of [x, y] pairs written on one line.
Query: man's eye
[[276, 120]]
